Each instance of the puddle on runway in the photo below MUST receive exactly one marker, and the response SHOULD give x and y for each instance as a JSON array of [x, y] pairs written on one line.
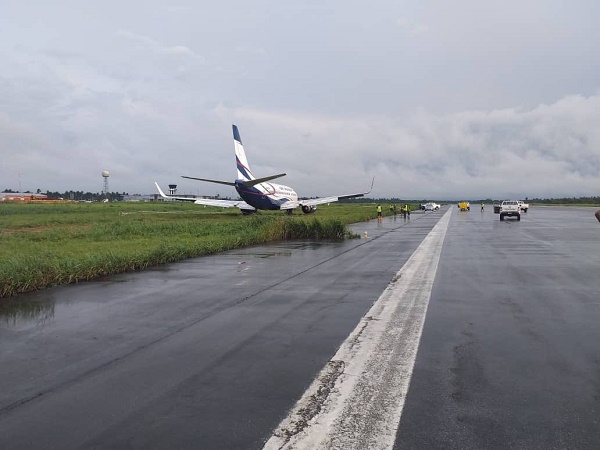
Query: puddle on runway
[[16, 312], [284, 248], [44, 308], [268, 255]]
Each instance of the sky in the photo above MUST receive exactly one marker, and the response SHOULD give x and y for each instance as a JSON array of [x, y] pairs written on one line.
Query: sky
[[435, 99]]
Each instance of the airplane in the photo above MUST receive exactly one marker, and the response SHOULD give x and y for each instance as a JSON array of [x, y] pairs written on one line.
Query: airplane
[[258, 193]]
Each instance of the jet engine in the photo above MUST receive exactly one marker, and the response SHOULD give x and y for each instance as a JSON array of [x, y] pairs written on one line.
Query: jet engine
[[306, 209]]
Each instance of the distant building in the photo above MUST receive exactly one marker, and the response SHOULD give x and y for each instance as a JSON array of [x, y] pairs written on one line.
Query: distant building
[[21, 197], [140, 198]]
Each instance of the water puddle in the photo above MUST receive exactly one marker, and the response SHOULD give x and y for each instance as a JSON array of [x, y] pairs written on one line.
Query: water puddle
[[16, 313]]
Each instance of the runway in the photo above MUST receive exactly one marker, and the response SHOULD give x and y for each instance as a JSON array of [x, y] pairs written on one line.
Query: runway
[[215, 352], [510, 352]]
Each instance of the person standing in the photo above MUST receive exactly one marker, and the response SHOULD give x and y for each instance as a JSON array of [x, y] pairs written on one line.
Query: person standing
[[404, 210], [379, 216]]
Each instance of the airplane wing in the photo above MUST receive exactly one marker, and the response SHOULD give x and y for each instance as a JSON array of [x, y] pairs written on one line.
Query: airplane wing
[[318, 201], [208, 201], [223, 203], [323, 200]]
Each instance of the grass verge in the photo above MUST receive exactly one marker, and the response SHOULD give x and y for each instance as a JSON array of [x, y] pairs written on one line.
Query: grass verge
[[48, 245]]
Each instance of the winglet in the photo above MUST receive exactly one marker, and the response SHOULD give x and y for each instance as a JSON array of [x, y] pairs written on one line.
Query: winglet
[[372, 183], [362, 194], [162, 194]]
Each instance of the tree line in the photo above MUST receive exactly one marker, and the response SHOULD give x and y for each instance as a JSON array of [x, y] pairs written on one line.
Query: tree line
[[75, 195], [118, 196], [546, 201]]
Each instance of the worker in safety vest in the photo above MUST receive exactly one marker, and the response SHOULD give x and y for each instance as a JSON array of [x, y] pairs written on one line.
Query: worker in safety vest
[[405, 210], [379, 216]]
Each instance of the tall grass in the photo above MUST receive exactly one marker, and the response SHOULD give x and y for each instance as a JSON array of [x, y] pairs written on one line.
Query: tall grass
[[49, 245]]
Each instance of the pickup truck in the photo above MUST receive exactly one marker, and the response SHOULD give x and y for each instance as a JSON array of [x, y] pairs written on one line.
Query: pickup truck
[[510, 208], [523, 206]]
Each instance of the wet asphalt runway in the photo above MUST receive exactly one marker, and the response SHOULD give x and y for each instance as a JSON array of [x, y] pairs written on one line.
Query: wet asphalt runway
[[212, 352], [510, 352], [207, 353]]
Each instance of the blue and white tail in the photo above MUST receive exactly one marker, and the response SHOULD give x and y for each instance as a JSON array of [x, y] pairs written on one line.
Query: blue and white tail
[[243, 169], [244, 175]]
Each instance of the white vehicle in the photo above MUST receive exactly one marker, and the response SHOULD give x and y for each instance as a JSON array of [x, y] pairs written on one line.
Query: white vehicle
[[510, 208], [523, 206], [431, 206]]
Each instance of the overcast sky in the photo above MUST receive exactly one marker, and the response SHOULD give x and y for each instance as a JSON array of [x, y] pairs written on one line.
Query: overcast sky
[[436, 99]]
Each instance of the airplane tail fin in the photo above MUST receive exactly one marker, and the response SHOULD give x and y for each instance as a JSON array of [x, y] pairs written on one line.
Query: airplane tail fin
[[243, 169], [244, 175]]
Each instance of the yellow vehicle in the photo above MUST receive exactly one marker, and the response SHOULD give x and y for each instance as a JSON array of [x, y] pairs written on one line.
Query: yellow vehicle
[[464, 206]]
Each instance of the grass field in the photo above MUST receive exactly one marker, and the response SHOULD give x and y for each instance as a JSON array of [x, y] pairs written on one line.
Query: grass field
[[43, 245]]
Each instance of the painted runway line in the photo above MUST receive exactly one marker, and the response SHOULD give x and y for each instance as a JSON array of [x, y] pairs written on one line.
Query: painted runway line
[[357, 399]]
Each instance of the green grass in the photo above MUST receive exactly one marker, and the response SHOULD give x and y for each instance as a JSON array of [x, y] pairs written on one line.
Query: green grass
[[43, 245]]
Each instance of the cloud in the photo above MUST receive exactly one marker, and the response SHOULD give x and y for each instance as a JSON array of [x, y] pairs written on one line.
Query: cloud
[[550, 150], [154, 46], [411, 27], [252, 51], [463, 106], [73, 130]]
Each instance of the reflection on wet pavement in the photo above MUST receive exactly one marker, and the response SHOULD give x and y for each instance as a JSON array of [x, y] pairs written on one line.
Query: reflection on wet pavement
[[41, 308], [15, 313]]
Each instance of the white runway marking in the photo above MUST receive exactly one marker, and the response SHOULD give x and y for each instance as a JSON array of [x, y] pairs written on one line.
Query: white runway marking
[[357, 399]]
